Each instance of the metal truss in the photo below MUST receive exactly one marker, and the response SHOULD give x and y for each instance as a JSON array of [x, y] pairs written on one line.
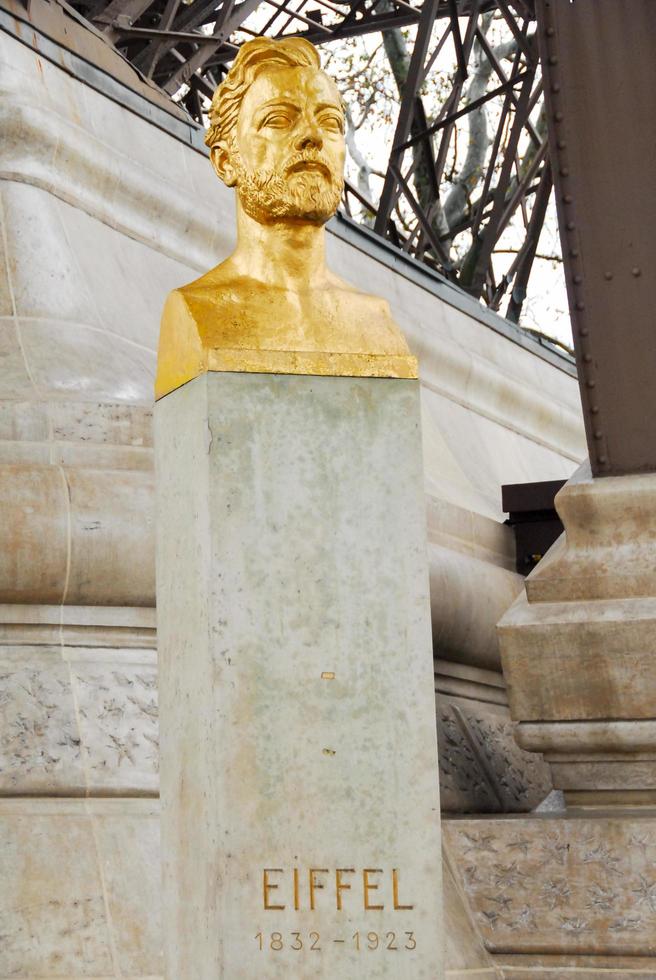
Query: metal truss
[[186, 47]]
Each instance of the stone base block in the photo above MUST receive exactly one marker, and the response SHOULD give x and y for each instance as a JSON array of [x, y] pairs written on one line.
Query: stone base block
[[578, 648], [567, 968], [583, 660], [299, 773]]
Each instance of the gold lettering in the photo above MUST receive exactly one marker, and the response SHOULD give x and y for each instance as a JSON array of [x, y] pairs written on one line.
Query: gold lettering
[[369, 887], [268, 887], [297, 903], [315, 884], [395, 892], [340, 886]]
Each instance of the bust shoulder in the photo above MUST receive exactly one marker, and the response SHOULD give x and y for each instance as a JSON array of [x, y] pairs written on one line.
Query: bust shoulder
[[228, 321]]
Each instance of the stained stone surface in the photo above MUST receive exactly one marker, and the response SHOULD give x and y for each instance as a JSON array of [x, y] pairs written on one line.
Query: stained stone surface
[[296, 681], [80, 889], [554, 884]]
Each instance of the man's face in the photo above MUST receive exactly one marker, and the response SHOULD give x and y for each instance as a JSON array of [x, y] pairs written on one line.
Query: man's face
[[289, 143]]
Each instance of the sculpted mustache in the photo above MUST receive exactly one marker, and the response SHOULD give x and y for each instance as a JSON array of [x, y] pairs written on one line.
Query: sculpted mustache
[[302, 158]]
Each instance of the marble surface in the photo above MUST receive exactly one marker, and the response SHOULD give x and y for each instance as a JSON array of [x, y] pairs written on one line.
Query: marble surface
[[296, 693]]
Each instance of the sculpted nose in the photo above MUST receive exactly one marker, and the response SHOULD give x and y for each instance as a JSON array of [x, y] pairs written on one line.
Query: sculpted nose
[[309, 136]]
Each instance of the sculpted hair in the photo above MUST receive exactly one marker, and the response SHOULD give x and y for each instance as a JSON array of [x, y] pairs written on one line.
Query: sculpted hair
[[254, 57]]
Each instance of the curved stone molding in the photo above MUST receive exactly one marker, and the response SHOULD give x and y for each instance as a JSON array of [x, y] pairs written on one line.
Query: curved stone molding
[[470, 380], [74, 535], [78, 686], [590, 737], [468, 597], [102, 522], [112, 187]]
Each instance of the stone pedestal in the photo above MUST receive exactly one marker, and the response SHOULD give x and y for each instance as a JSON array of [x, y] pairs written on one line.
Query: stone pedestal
[[299, 766], [579, 647]]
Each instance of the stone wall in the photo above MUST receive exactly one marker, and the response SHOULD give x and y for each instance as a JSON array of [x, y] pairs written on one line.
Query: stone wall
[[103, 210]]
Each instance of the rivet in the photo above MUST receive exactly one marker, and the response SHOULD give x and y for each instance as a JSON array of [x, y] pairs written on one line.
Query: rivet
[[608, 276], [635, 271], [555, 87], [574, 252], [578, 280], [564, 172], [603, 460], [580, 305], [567, 198], [594, 409], [570, 226], [598, 434], [558, 116], [561, 144], [587, 358], [584, 331], [591, 383], [551, 31]]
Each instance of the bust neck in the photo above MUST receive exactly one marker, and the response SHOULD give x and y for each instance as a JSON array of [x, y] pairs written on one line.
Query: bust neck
[[287, 255]]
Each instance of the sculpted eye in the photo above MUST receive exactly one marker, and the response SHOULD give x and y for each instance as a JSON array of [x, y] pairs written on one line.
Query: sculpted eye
[[278, 120], [332, 122]]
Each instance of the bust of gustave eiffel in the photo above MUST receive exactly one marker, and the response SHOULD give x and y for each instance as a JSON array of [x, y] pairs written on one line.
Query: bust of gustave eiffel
[[277, 136]]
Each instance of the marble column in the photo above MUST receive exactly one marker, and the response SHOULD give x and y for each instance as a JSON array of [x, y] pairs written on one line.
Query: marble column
[[301, 831]]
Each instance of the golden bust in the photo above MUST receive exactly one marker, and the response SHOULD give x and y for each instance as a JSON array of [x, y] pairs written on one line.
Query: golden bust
[[277, 136]]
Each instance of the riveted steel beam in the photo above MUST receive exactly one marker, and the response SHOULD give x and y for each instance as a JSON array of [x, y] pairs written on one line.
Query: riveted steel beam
[[600, 89]]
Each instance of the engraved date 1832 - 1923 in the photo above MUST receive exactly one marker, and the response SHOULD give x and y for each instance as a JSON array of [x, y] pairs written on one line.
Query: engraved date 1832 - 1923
[[359, 941]]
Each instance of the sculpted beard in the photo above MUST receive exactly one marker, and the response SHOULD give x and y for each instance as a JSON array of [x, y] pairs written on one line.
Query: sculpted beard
[[270, 195]]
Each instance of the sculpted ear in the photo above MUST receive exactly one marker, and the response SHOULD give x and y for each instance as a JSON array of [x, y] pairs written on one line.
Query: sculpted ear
[[221, 158]]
